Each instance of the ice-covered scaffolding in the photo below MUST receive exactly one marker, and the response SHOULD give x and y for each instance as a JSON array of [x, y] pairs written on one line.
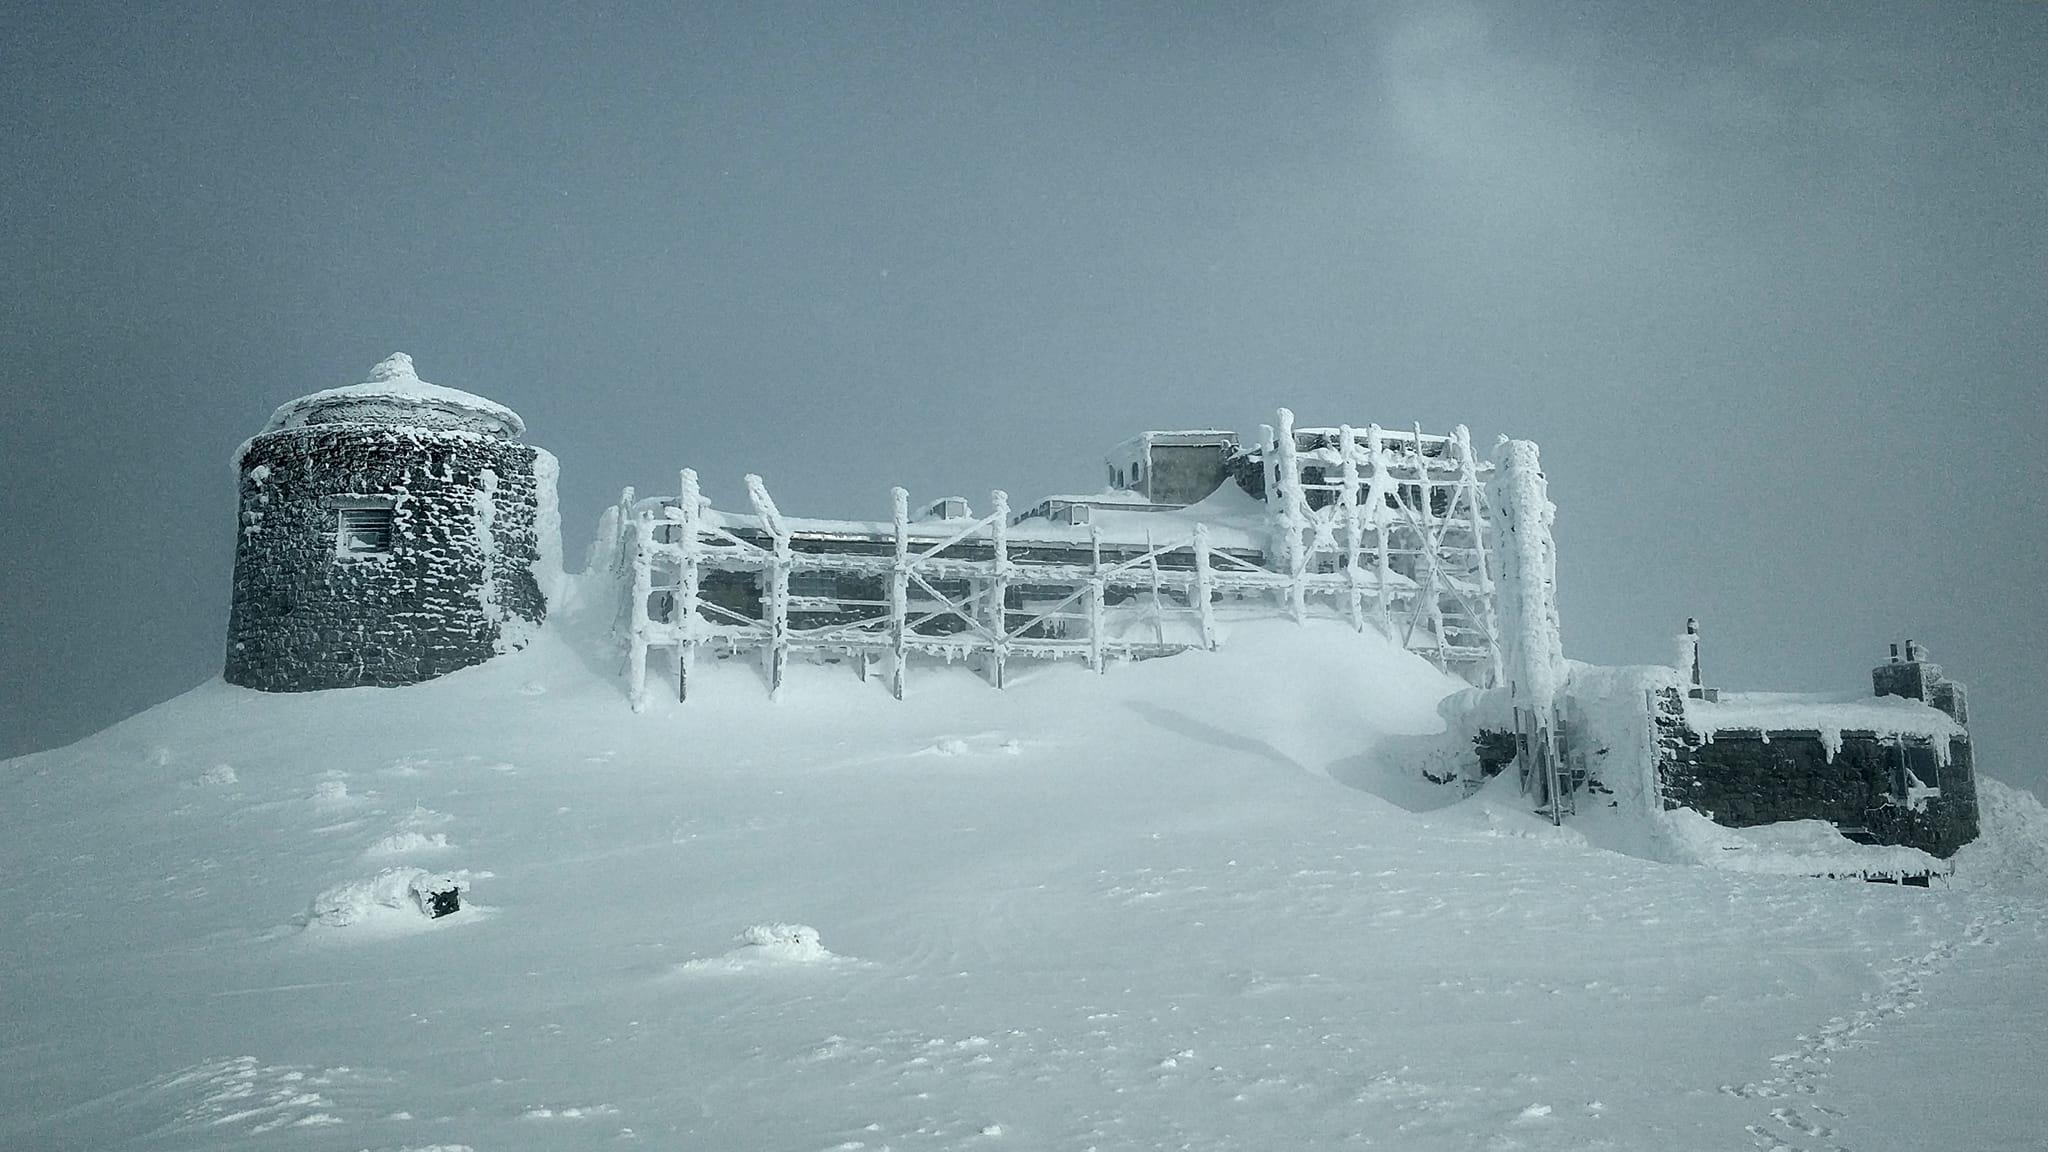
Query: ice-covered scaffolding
[[1386, 530], [1391, 528]]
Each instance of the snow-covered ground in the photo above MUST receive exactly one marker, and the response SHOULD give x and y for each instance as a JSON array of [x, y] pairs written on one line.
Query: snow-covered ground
[[1176, 906]]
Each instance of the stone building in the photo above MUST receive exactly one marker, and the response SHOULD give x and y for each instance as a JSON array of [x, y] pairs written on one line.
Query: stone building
[[1891, 768], [1174, 468], [390, 532]]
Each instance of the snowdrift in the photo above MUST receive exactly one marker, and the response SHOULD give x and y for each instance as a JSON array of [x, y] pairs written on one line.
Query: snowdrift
[[1171, 905]]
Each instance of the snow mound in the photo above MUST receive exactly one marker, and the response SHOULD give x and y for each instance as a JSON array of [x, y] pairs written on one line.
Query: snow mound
[[2012, 843], [1790, 848], [770, 945], [219, 774], [394, 896]]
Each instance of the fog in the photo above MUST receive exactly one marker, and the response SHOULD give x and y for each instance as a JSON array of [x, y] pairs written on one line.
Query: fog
[[1765, 282]]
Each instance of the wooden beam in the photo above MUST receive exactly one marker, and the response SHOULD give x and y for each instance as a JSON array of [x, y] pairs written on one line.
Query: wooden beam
[[642, 533], [685, 622], [899, 592], [999, 584], [1206, 611], [1095, 591]]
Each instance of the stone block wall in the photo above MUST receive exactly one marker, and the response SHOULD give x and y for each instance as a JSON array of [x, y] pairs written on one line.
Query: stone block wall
[[456, 587], [1185, 473], [1742, 779]]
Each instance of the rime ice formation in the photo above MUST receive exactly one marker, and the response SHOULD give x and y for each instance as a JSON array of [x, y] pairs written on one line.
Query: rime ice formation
[[1532, 647]]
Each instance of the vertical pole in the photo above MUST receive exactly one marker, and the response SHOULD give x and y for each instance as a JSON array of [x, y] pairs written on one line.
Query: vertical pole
[[899, 591], [686, 595], [1431, 548], [1347, 446], [999, 583], [1095, 589], [621, 556], [1158, 612], [776, 584], [1490, 621], [1292, 516], [1376, 495], [643, 580], [1204, 607]]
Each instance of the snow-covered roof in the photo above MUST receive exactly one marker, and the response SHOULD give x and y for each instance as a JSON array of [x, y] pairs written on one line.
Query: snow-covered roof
[[1195, 437], [1828, 714], [394, 394]]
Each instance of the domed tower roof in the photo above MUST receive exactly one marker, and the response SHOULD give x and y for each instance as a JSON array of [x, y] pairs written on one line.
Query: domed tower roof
[[394, 394]]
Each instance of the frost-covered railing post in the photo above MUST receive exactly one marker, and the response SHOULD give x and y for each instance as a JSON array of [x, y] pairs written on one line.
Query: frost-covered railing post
[[775, 584], [899, 592], [1432, 541], [1158, 608], [1376, 499], [643, 587], [611, 552], [1096, 590], [1202, 588], [690, 549], [1354, 596], [999, 584], [1293, 517], [1488, 617], [1534, 649]]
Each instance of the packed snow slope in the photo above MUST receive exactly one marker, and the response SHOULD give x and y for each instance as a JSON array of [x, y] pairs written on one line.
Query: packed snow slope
[[1168, 907]]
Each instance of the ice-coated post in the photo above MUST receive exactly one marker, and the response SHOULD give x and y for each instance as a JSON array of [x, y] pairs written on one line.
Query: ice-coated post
[[899, 591], [1468, 471], [1095, 592], [685, 623], [1354, 596], [1293, 518], [776, 592], [636, 640], [999, 583], [1206, 610], [1528, 608], [1376, 499]]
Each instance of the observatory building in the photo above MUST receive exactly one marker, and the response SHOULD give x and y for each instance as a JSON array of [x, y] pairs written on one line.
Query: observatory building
[[390, 531]]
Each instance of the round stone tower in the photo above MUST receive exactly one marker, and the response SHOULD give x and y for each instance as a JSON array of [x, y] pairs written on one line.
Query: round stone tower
[[390, 531]]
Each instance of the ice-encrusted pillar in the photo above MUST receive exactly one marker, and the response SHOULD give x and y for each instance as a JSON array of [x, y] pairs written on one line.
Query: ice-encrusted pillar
[[1532, 645]]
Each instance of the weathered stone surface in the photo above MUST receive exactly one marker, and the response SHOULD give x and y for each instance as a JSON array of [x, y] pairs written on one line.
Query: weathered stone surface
[[1186, 473], [454, 589], [1742, 779]]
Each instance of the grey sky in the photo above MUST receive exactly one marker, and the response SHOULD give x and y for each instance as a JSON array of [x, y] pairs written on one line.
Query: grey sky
[[1765, 281]]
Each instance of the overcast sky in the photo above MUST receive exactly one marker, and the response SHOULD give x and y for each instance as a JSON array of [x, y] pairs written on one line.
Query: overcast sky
[[1766, 281]]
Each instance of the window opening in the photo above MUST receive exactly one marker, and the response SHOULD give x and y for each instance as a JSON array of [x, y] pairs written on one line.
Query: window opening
[[363, 531]]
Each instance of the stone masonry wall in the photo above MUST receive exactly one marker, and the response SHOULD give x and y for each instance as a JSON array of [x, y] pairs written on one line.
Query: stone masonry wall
[[1184, 474], [1741, 779], [304, 617]]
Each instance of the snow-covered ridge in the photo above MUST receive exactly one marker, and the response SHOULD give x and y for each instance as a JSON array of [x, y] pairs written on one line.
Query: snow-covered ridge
[[395, 394]]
